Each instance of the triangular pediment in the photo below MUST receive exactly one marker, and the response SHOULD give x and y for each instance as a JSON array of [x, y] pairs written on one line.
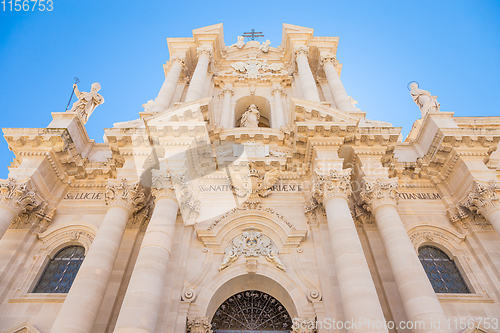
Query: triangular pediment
[[25, 327], [312, 112]]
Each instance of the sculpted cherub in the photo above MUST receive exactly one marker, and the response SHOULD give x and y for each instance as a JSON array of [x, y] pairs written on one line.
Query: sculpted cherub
[[253, 186]]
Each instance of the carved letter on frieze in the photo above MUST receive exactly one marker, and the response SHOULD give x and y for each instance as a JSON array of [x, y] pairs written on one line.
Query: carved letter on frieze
[[129, 196], [380, 192], [483, 199], [251, 243], [199, 325], [17, 197]]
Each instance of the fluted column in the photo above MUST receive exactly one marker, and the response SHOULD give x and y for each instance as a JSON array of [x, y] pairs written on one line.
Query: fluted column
[[84, 299], [306, 77], [197, 84], [485, 200], [139, 311], [227, 114], [14, 199], [167, 91], [278, 106], [357, 290], [419, 299], [342, 100]]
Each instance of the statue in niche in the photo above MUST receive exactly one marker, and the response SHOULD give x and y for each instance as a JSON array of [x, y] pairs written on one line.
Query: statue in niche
[[265, 46], [425, 101], [87, 102], [240, 43], [251, 117]]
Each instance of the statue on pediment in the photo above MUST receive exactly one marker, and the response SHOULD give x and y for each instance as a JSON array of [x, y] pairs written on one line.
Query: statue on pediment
[[240, 43], [425, 101], [87, 101], [265, 46], [251, 117]]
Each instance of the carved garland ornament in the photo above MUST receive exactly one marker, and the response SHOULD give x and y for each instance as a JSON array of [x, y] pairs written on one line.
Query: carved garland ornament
[[251, 243]]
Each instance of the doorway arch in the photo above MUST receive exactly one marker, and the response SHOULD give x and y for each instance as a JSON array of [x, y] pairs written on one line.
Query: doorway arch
[[251, 311]]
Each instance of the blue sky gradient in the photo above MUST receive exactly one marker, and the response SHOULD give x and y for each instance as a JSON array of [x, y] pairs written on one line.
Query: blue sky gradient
[[452, 48]]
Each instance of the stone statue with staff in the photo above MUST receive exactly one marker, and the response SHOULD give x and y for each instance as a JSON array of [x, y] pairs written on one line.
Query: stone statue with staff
[[87, 101]]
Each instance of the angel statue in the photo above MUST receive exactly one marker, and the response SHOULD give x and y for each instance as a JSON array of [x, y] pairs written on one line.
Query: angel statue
[[240, 43], [426, 102], [87, 102], [251, 117], [253, 186], [265, 46]]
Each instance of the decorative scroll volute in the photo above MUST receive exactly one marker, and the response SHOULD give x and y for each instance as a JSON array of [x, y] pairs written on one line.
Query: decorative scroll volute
[[129, 196], [17, 197], [204, 50], [483, 199], [302, 50], [199, 325], [328, 58], [380, 192], [331, 183], [303, 325]]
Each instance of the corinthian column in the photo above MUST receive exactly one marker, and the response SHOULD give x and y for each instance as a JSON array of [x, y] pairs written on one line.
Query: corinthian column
[[357, 290], [278, 106], [139, 311], [419, 299], [84, 299], [306, 77], [227, 114], [484, 200], [340, 97], [164, 98], [197, 84], [199, 325], [14, 200]]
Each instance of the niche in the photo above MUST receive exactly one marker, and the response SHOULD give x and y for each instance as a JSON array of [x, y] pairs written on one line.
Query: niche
[[262, 104]]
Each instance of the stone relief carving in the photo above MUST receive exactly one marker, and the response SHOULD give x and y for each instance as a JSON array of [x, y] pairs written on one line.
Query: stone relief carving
[[483, 199], [87, 102], [251, 243], [37, 220], [246, 207], [199, 325], [17, 196], [265, 46], [251, 117], [303, 325], [425, 101], [254, 69], [253, 185]]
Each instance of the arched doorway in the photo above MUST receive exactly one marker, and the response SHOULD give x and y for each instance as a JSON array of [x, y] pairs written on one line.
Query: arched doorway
[[251, 311]]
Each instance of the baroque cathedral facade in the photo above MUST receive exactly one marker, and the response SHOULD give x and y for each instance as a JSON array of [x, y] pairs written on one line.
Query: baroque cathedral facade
[[252, 195]]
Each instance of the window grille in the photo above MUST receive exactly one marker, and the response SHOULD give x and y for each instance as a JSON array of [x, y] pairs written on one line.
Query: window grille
[[442, 271], [61, 271]]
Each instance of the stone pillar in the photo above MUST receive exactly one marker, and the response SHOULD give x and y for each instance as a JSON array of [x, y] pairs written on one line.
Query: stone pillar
[[342, 100], [357, 290], [197, 85], [167, 91], [139, 311], [199, 325], [278, 106], [484, 200], [14, 200], [419, 299], [227, 114], [306, 77], [79, 311]]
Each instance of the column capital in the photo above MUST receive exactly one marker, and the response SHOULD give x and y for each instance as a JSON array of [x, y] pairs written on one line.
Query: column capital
[[162, 185], [17, 196], [303, 325], [227, 89], [331, 183], [204, 50], [328, 58], [178, 57], [484, 198], [277, 88], [301, 50], [127, 195], [199, 325], [380, 192]]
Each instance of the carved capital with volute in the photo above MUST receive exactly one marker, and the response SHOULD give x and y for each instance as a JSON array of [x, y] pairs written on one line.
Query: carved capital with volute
[[277, 89], [328, 58], [204, 50], [125, 194], [380, 192], [227, 89], [301, 50], [484, 198], [303, 325], [162, 185], [17, 197], [331, 183], [199, 325]]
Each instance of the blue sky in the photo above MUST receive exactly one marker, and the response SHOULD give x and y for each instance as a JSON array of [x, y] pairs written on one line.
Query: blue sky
[[452, 48]]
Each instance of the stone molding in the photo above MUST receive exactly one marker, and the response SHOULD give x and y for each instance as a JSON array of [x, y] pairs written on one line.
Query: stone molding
[[25, 327], [380, 192], [251, 243], [17, 196], [483, 199], [59, 237], [128, 196], [303, 325], [199, 325]]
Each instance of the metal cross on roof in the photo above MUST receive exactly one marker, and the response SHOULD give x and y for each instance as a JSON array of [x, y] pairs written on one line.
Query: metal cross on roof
[[253, 35]]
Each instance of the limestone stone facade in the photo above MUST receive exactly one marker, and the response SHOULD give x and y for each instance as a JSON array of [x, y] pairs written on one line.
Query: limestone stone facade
[[252, 185]]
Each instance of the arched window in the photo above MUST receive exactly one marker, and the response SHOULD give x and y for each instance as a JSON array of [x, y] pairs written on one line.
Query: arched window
[[59, 274], [442, 271]]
